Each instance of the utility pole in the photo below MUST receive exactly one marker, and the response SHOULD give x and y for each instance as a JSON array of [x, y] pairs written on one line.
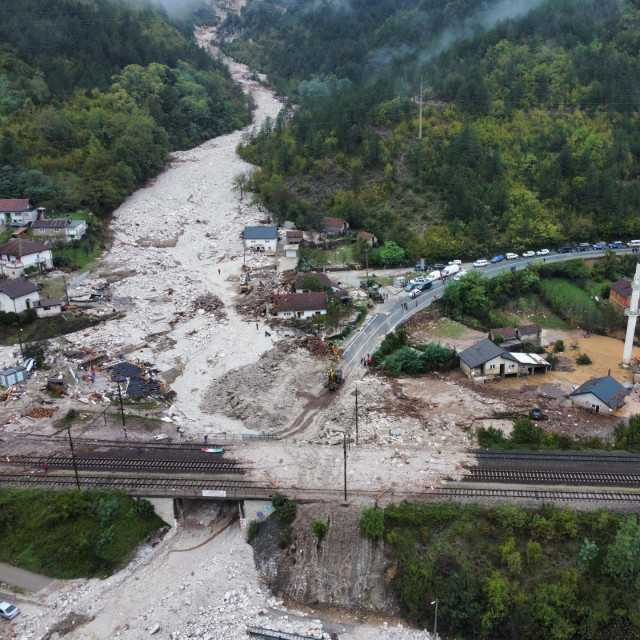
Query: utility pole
[[66, 291], [73, 457], [344, 446], [356, 414], [120, 379], [420, 120]]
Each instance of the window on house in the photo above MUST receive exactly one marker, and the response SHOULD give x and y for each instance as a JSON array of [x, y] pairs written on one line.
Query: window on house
[[492, 366]]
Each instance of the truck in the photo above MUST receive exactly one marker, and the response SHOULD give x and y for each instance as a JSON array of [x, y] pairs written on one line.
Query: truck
[[375, 294], [450, 270], [369, 283]]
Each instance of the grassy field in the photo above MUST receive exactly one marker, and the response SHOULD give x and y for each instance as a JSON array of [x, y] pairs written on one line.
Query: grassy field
[[72, 534], [448, 328]]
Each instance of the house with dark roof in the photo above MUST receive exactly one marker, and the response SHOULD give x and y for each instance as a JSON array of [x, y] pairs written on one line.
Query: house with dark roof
[[62, 229], [18, 255], [333, 227], [17, 212], [509, 336], [294, 236], [48, 307], [18, 295], [602, 395], [303, 279], [369, 238], [486, 360], [506, 336], [263, 238], [300, 305], [620, 294]]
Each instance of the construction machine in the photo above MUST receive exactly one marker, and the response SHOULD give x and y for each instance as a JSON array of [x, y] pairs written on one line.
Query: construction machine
[[246, 288], [336, 350], [334, 379]]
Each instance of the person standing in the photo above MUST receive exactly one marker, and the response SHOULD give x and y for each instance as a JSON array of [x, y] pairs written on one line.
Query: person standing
[[45, 466], [206, 438]]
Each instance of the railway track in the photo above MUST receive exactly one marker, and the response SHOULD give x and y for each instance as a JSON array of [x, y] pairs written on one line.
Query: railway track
[[239, 489], [131, 464], [527, 476], [604, 457]]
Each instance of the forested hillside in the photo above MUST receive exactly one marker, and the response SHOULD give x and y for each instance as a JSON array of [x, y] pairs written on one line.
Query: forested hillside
[[95, 93], [530, 130]]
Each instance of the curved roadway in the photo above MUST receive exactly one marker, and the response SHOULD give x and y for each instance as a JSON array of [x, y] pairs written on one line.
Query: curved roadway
[[393, 313]]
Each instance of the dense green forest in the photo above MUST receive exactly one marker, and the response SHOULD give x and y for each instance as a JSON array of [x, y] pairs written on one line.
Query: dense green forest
[[530, 127], [513, 572], [73, 534], [95, 93]]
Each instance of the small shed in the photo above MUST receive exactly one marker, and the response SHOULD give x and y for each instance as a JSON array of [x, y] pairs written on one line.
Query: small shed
[[13, 375], [48, 307], [291, 250]]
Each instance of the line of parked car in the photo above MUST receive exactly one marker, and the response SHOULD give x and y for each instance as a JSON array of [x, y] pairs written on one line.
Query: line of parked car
[[583, 246]]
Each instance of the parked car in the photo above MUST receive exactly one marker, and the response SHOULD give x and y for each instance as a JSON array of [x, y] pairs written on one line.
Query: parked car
[[481, 262], [528, 254], [415, 293], [438, 266], [566, 249], [542, 252], [460, 274], [633, 244], [8, 611], [424, 286], [460, 261], [511, 256], [583, 246], [600, 245], [616, 244], [410, 285], [498, 258]]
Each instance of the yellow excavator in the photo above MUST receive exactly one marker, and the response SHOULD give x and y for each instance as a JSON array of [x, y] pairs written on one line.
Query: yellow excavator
[[334, 379], [245, 287]]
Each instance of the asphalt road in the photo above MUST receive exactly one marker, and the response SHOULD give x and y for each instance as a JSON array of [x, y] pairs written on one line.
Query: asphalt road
[[21, 578], [391, 313]]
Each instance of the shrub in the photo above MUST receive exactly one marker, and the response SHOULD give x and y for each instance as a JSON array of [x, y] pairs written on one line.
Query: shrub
[[143, 508], [252, 530], [588, 552], [491, 438], [285, 510], [319, 529], [583, 359], [37, 351], [558, 347], [371, 523], [534, 552], [526, 432]]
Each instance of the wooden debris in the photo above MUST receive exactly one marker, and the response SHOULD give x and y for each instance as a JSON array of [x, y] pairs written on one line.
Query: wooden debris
[[271, 481], [41, 412]]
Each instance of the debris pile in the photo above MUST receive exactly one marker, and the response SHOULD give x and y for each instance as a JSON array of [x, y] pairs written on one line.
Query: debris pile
[[210, 303], [316, 346], [141, 379], [41, 412]]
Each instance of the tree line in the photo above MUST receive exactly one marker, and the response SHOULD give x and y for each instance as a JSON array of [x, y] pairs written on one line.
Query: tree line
[[93, 97]]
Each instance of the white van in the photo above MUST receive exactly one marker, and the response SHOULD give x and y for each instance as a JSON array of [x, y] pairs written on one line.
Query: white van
[[399, 282], [481, 262], [434, 275], [634, 244], [451, 270]]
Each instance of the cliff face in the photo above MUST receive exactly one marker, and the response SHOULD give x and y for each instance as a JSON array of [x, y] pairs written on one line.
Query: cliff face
[[345, 570]]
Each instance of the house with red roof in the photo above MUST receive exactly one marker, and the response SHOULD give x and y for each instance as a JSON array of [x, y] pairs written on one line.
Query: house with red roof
[[333, 227], [369, 238], [18, 255], [292, 306], [17, 212]]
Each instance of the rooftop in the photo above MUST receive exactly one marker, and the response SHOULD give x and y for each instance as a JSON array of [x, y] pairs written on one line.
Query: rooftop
[[51, 223], [316, 301], [14, 204], [333, 222], [481, 352], [261, 233], [17, 288], [622, 287], [19, 248]]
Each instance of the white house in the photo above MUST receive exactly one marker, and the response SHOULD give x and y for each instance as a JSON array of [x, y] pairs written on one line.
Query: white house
[[17, 255], [16, 212], [76, 229], [263, 238], [486, 360], [300, 305], [291, 250], [48, 307], [369, 238], [18, 295], [602, 395]]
